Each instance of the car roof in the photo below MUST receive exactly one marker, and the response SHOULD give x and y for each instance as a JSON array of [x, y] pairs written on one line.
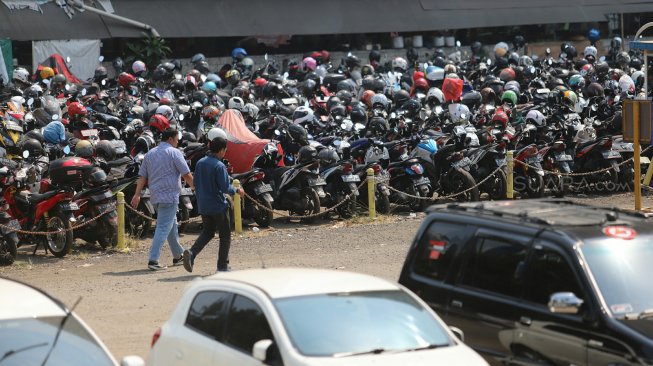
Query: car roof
[[288, 282], [555, 213], [23, 301]]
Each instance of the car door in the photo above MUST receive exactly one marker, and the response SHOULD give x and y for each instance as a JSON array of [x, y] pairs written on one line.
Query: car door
[[487, 291], [195, 343], [246, 324]]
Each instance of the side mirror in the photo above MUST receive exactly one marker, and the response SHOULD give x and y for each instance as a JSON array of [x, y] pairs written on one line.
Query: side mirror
[[26, 154], [101, 58], [55, 117], [84, 92], [67, 59], [277, 132], [181, 117], [458, 44], [260, 349], [564, 303], [66, 150], [458, 333], [488, 62], [132, 361], [104, 82], [265, 57], [67, 87]]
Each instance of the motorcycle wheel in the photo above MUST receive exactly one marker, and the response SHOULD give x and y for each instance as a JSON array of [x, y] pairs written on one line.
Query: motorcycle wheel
[[60, 243], [382, 203], [535, 185], [182, 215], [461, 180], [262, 216], [110, 237], [314, 203], [497, 186]]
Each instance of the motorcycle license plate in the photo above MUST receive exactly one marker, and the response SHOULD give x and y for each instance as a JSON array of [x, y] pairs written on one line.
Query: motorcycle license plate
[[611, 155], [421, 181], [11, 224], [316, 182], [564, 157], [106, 206], [500, 162], [351, 178], [462, 163], [533, 161], [262, 189], [72, 206], [186, 192]]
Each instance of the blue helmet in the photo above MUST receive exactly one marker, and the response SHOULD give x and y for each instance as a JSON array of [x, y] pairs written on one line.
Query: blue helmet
[[209, 87], [238, 53]]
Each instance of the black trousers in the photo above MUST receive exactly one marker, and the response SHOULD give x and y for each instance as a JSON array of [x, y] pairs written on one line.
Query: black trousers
[[211, 224]]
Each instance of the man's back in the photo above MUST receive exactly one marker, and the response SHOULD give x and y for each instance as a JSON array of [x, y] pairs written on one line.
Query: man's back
[[163, 167]]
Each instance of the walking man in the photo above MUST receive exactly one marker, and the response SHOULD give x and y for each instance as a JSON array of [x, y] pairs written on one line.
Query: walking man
[[212, 182], [161, 171]]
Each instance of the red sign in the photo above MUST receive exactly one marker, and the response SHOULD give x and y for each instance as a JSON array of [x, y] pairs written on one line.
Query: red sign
[[437, 247], [620, 232]]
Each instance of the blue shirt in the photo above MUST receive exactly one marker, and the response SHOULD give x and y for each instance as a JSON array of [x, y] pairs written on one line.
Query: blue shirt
[[211, 183], [163, 167]]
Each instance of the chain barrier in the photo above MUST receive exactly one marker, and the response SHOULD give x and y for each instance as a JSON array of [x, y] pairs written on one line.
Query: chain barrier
[[45, 233], [450, 195], [579, 174], [192, 219]]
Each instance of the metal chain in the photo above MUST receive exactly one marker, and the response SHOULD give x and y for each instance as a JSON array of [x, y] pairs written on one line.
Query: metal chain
[[322, 213], [45, 233], [451, 195], [579, 174], [192, 219]]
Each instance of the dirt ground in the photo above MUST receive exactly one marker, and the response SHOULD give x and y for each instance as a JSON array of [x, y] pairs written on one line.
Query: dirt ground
[[124, 302]]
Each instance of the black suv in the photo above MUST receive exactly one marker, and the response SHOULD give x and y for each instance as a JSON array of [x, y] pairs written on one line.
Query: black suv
[[539, 281]]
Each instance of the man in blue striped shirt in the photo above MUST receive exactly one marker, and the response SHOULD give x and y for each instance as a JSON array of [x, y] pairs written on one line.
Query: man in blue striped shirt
[[161, 171]]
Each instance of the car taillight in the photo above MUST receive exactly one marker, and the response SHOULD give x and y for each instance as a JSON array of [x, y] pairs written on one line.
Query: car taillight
[[156, 336], [347, 168], [376, 168]]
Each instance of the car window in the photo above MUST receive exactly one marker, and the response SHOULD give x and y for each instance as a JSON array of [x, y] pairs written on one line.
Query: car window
[[496, 265], [247, 324], [549, 272], [438, 246], [208, 312]]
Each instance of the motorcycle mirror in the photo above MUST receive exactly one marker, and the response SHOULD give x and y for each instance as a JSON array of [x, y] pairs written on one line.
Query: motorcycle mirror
[[67, 59], [438, 110], [46, 81], [104, 82], [265, 57], [270, 104], [181, 117], [343, 126], [277, 132], [337, 143], [550, 62], [84, 92], [488, 62], [101, 58], [548, 51], [594, 107], [66, 149], [457, 43], [26, 154], [393, 115], [602, 58], [55, 117], [285, 75], [309, 136], [141, 80], [30, 101]]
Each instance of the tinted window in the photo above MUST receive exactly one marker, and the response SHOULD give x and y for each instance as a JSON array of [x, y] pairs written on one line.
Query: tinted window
[[437, 248], [247, 324], [496, 266], [549, 272], [208, 313]]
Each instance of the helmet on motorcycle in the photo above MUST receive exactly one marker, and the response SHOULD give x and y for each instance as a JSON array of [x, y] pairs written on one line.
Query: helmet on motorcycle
[[238, 53], [435, 96], [636, 63], [379, 101], [513, 86], [525, 61], [100, 73], [125, 79], [210, 113], [507, 74], [240, 91], [20, 74], [97, 176], [177, 86], [375, 55], [233, 76], [338, 111], [616, 43], [594, 90], [590, 51], [358, 115], [302, 114], [500, 49], [236, 103], [76, 109], [260, 82], [333, 101], [46, 73], [118, 65], [352, 61], [587, 71], [378, 125], [214, 78], [202, 67], [306, 154], [623, 58], [460, 114], [472, 99], [209, 87], [476, 47], [159, 122], [367, 97], [576, 81], [33, 146], [197, 58], [569, 99], [159, 74], [638, 78], [308, 87], [138, 67], [298, 134], [327, 157], [518, 41], [434, 73], [535, 117], [500, 117], [399, 64], [510, 97], [137, 111], [216, 132], [346, 96], [626, 85], [34, 91], [84, 149], [412, 106], [188, 136], [247, 63], [367, 70], [421, 84], [346, 84], [165, 111], [400, 97], [104, 150], [308, 64]]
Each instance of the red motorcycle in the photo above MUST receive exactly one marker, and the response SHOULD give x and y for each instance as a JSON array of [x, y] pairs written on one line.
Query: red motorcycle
[[529, 177]]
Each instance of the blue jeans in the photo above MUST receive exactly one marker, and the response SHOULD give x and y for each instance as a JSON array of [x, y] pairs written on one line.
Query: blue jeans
[[166, 227]]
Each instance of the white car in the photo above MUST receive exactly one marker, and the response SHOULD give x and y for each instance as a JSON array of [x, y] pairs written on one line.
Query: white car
[[304, 317], [37, 329]]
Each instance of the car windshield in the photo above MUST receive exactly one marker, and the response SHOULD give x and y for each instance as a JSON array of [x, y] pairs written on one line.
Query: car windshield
[[28, 341], [622, 269], [360, 322]]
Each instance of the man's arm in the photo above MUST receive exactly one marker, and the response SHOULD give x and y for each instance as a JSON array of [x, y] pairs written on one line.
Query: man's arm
[[223, 183], [140, 184], [188, 177]]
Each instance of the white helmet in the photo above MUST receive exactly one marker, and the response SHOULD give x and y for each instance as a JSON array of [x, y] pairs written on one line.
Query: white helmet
[[399, 63], [216, 132], [21, 74], [590, 51], [460, 114], [536, 116], [165, 111], [302, 114], [626, 84], [435, 93], [138, 66], [236, 103], [251, 110]]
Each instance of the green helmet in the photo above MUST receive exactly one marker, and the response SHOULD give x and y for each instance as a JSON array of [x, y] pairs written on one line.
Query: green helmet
[[509, 96]]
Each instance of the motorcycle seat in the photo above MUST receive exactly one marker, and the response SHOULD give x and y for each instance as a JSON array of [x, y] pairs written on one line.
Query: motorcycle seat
[[242, 176], [119, 162], [33, 198], [585, 144]]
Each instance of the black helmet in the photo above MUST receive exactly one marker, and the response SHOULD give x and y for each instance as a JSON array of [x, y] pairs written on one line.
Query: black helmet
[[358, 115], [104, 150], [168, 66], [338, 110], [188, 136], [333, 101], [346, 96], [33, 146], [368, 83], [177, 86], [378, 125], [200, 96], [472, 99], [346, 84], [601, 68], [177, 64], [97, 177], [100, 73], [400, 97], [501, 63], [306, 154], [159, 74], [636, 63], [308, 88], [476, 47], [412, 55], [118, 65], [439, 61], [412, 106], [594, 90], [375, 55], [203, 67], [298, 134], [59, 79], [352, 61], [327, 157], [518, 41]]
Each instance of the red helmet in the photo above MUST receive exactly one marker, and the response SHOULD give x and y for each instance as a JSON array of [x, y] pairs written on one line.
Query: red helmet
[[421, 84], [367, 97], [159, 122], [165, 101], [260, 82], [500, 117], [418, 75], [76, 109], [507, 74], [125, 79]]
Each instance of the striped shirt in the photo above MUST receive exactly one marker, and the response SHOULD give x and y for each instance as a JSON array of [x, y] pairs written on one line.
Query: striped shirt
[[163, 167]]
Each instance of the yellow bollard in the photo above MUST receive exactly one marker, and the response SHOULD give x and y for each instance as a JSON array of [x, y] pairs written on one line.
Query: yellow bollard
[[371, 185], [237, 216], [120, 210], [509, 178]]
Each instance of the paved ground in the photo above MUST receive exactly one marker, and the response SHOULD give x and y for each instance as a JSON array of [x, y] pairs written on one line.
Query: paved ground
[[125, 303]]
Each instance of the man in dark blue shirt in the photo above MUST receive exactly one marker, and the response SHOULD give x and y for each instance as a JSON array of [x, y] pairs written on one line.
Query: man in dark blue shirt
[[211, 183]]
